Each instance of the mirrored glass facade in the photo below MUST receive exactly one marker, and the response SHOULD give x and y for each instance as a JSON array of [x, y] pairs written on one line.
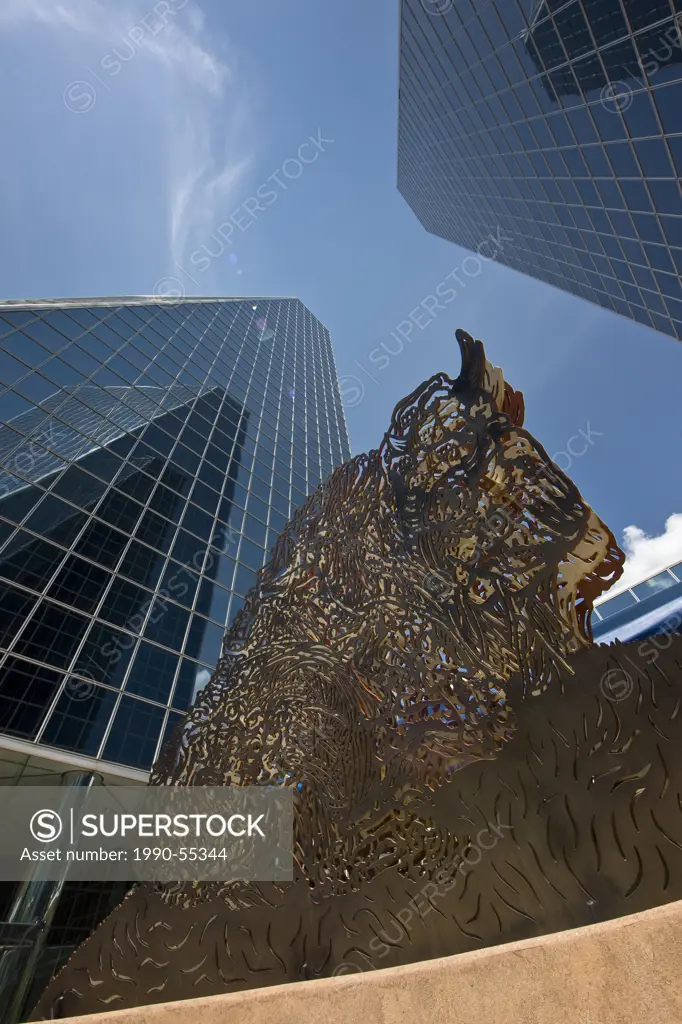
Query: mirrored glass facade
[[150, 454], [556, 127]]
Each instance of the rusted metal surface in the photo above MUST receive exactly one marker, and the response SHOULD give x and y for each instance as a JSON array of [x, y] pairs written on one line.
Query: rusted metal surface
[[416, 662]]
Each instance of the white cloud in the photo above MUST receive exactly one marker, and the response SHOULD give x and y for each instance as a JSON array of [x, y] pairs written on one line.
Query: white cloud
[[646, 555], [201, 179], [191, 88], [170, 36]]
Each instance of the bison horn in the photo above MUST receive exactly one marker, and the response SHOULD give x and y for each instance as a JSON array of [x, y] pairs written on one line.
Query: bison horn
[[478, 373]]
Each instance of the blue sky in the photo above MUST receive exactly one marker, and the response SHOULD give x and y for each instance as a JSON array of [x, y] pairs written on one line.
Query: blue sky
[[135, 133]]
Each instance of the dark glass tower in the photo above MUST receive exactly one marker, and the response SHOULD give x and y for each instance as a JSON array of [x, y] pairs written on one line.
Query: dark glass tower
[[556, 127], [150, 454]]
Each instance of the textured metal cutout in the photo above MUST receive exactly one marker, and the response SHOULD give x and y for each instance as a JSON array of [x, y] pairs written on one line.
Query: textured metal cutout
[[416, 661]]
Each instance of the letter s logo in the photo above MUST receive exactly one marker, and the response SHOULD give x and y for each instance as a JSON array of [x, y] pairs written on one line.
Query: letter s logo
[[46, 826]]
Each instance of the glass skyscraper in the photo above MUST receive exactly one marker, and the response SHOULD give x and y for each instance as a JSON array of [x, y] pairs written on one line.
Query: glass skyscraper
[[151, 451], [555, 126]]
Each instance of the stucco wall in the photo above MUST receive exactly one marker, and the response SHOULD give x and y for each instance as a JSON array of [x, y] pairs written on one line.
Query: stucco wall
[[627, 971]]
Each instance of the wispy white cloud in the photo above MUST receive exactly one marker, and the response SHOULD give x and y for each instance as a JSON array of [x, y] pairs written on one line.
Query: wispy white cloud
[[647, 555], [17, 11], [206, 168], [169, 31], [199, 101]]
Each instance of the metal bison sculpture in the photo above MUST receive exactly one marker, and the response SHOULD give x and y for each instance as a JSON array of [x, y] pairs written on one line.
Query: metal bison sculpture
[[416, 662]]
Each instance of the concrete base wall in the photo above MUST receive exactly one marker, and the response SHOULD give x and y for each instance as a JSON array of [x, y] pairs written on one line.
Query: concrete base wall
[[627, 971]]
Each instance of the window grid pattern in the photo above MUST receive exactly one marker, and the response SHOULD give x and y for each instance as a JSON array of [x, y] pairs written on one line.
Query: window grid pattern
[[553, 126], [150, 455]]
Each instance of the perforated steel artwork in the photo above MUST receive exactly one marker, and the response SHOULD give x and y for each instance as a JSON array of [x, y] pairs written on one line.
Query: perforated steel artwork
[[416, 662]]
